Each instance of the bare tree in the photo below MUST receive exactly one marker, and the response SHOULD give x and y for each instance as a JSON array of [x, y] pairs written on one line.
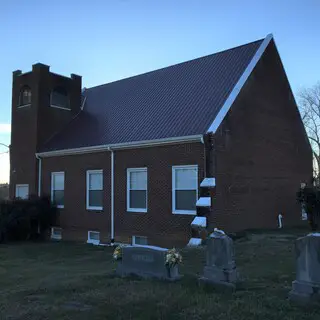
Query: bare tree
[[309, 105]]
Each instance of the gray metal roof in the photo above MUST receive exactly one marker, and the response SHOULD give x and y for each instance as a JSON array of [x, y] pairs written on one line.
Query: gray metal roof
[[175, 101]]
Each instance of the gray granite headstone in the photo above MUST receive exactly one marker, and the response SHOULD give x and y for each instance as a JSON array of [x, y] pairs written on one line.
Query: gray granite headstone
[[220, 269], [306, 287], [146, 261]]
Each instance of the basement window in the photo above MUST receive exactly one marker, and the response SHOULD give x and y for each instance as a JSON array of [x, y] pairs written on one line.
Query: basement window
[[139, 241], [56, 233], [93, 237]]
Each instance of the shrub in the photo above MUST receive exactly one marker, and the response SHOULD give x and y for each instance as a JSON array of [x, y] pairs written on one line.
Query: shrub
[[26, 219], [309, 197]]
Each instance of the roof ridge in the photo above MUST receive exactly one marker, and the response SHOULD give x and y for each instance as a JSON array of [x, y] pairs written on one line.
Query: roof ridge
[[176, 64]]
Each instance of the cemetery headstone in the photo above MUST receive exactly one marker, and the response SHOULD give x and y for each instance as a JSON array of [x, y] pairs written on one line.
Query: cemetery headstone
[[306, 287], [220, 270], [146, 261]]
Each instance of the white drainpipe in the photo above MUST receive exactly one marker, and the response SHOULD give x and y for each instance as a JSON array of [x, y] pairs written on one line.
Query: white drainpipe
[[280, 220], [112, 197], [39, 183], [39, 175]]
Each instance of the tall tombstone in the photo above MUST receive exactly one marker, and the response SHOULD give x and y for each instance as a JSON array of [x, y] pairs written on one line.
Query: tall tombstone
[[220, 269], [306, 287]]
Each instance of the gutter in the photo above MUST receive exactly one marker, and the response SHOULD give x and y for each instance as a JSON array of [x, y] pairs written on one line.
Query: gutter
[[120, 146]]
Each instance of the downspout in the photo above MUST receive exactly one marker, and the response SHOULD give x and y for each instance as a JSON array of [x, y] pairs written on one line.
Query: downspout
[[112, 196], [204, 157], [280, 217], [39, 175], [39, 185]]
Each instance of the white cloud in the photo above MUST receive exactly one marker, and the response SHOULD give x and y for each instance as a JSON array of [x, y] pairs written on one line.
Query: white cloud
[[5, 128]]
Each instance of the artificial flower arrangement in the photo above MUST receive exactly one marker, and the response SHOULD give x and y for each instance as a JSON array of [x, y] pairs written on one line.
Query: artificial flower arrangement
[[117, 254], [173, 258]]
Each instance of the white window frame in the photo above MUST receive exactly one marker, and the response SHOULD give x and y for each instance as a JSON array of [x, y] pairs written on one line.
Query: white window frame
[[129, 171], [22, 186], [56, 237], [64, 182], [138, 245], [174, 210], [88, 207], [92, 241]]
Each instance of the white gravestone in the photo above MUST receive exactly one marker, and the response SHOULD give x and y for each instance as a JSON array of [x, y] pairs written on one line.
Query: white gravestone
[[220, 269], [306, 287]]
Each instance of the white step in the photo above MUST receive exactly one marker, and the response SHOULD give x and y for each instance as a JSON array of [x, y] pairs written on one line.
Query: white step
[[208, 183], [204, 202], [199, 222], [194, 242]]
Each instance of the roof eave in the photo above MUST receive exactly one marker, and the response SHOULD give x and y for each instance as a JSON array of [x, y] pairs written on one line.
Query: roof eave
[[120, 146], [239, 85]]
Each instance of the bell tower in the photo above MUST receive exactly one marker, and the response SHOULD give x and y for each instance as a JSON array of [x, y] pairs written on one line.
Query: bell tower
[[43, 103]]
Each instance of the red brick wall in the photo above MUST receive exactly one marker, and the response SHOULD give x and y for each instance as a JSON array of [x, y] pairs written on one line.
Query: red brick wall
[[262, 156], [33, 125], [263, 153], [158, 224]]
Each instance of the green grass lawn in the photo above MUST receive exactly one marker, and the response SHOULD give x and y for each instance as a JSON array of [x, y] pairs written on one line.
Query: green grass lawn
[[76, 281]]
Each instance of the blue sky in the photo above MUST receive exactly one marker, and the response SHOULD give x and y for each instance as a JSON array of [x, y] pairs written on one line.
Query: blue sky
[[113, 39]]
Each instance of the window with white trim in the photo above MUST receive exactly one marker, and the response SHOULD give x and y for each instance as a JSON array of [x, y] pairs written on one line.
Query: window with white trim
[[139, 241], [137, 189], [94, 189], [56, 233], [57, 189], [22, 191], [184, 189], [93, 237]]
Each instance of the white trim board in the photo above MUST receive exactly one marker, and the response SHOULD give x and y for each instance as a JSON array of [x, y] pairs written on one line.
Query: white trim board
[[118, 146], [239, 85]]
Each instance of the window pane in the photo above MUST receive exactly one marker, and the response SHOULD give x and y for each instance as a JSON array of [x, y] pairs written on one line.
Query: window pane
[[25, 97], [186, 179], [59, 98], [138, 180], [95, 198], [95, 181], [58, 197], [58, 181], [186, 199], [22, 192], [143, 241], [94, 236], [138, 199]]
